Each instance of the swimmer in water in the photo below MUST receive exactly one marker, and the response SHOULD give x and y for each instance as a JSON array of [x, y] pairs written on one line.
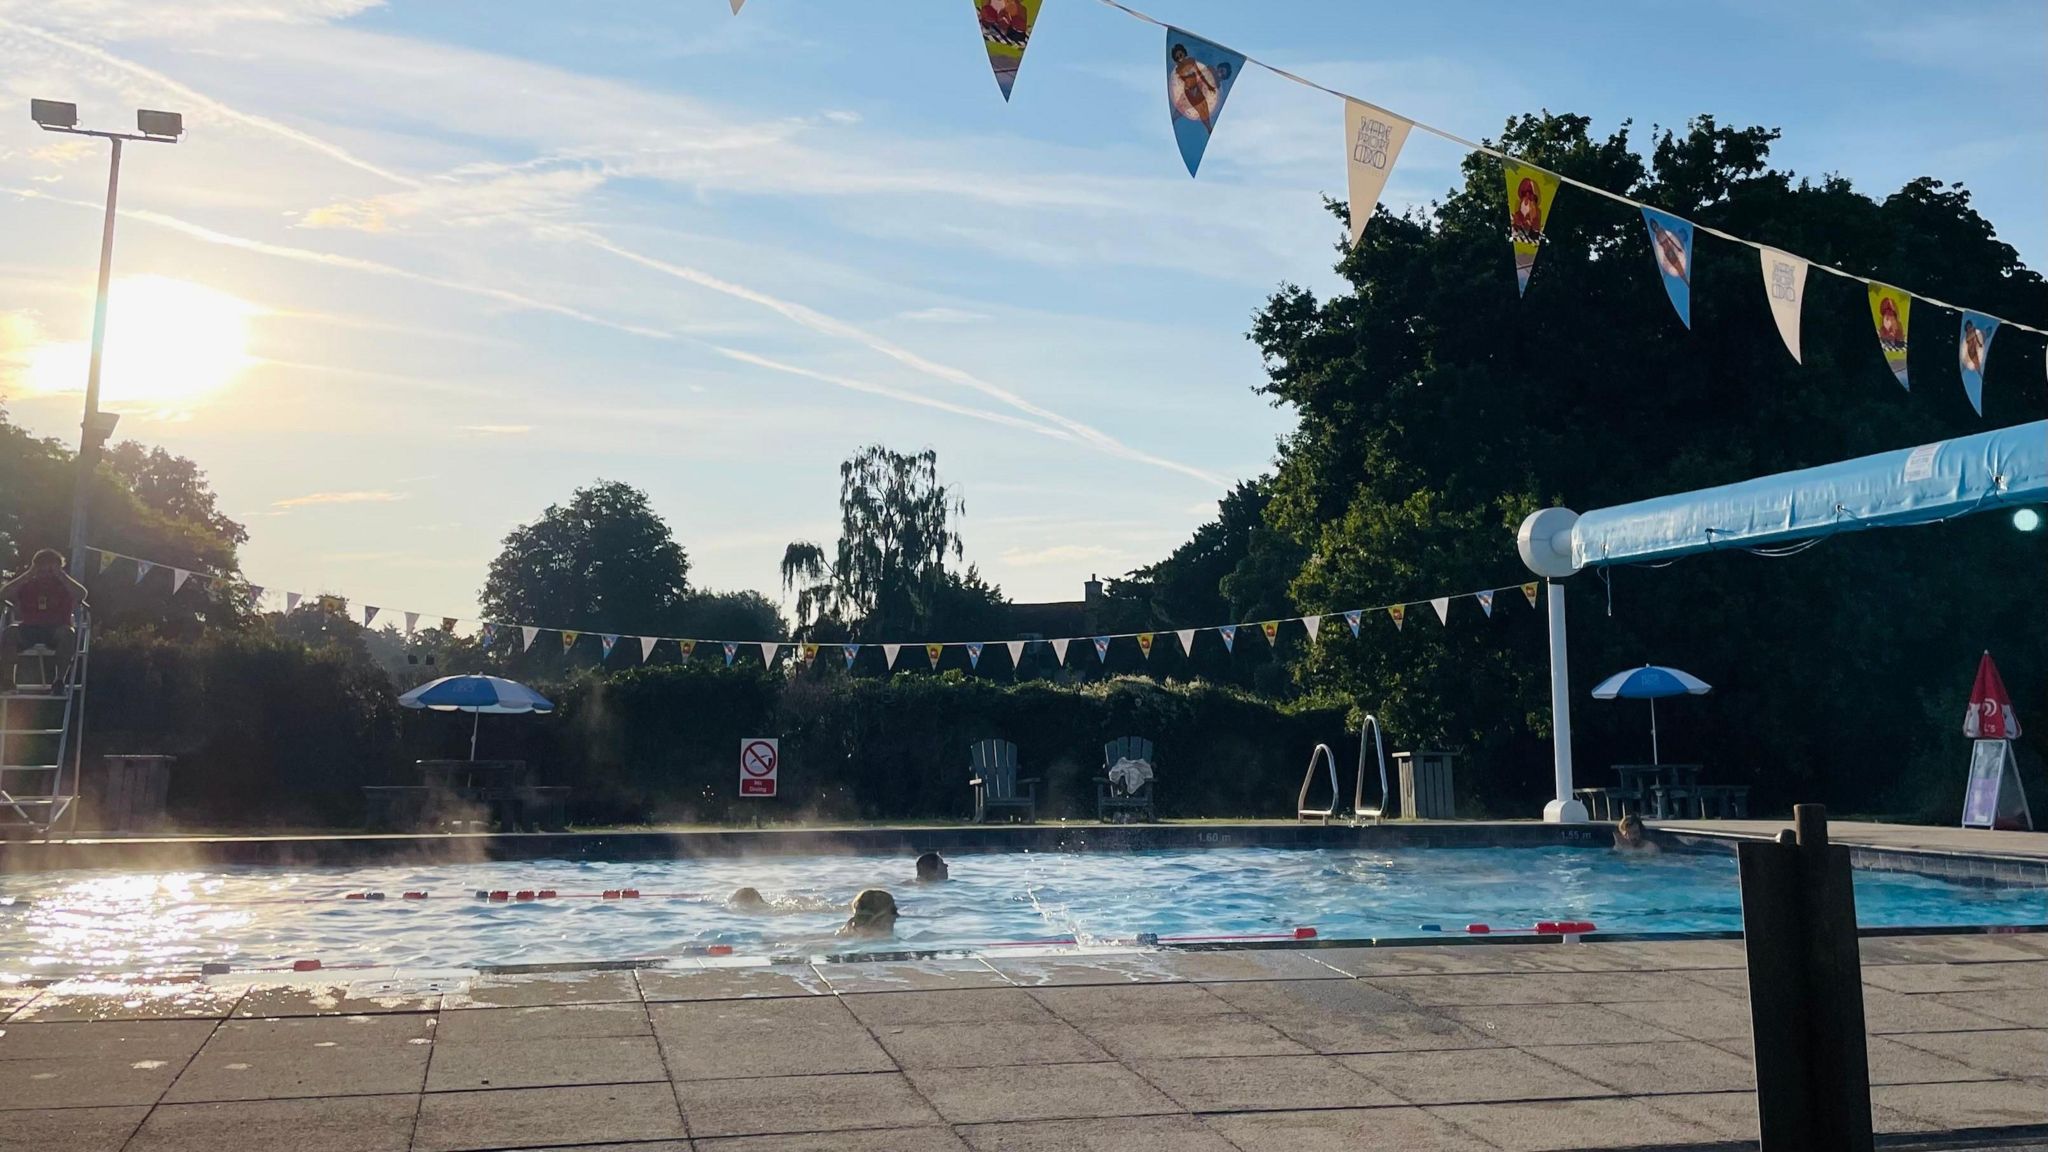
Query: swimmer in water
[[874, 916], [1630, 836], [751, 900], [931, 869]]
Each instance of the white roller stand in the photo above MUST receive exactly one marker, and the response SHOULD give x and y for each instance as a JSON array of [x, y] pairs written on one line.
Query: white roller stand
[[1545, 542]]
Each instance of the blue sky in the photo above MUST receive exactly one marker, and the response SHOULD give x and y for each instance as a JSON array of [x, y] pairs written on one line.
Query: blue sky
[[483, 252]]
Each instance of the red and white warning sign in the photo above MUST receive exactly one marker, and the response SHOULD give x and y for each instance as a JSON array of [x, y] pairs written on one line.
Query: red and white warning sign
[[760, 760]]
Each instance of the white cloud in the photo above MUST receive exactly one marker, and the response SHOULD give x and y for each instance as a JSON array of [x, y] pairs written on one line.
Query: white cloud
[[311, 498], [498, 429], [942, 315], [1060, 554]]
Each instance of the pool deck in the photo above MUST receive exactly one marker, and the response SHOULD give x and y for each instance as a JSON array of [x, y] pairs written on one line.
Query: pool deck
[[1501, 1046]]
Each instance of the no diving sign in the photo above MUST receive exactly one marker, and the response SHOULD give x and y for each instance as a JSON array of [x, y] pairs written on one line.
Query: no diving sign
[[760, 760]]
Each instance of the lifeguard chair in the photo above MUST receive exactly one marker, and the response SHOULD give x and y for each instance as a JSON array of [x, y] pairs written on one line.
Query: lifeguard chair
[[41, 721]]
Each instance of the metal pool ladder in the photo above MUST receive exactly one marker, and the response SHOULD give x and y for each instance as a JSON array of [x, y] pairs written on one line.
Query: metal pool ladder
[[1328, 759], [39, 724]]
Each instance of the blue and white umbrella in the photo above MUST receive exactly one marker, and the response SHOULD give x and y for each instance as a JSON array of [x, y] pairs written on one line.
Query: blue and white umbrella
[[1650, 682], [477, 695]]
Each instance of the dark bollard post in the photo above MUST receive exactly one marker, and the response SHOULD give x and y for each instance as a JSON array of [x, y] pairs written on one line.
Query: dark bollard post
[[1805, 991]]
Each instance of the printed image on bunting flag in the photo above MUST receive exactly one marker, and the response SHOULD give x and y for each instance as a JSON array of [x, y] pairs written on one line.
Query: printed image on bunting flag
[[1145, 644], [608, 643], [809, 652], [1530, 191], [689, 648], [1353, 618], [731, 650], [1198, 79], [569, 640], [1272, 630], [932, 652], [1892, 310], [849, 651], [256, 595], [1529, 592], [1400, 614], [1229, 634], [488, 634], [974, 656], [1785, 287], [1006, 31], [1973, 349], [1485, 602], [1101, 648], [448, 625], [1671, 245], [142, 568], [1375, 140], [369, 610]]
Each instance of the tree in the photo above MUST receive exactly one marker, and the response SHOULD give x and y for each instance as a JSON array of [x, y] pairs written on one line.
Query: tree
[[1436, 408], [887, 577], [602, 562], [744, 615]]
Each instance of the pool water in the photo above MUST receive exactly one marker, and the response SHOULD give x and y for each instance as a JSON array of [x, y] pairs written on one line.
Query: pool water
[[67, 923]]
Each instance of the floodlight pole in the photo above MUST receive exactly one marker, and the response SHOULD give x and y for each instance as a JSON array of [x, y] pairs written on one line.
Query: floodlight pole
[[1545, 545], [95, 427]]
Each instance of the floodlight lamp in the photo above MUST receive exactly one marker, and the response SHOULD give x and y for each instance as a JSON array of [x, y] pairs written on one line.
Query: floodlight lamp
[[2027, 520], [53, 113], [166, 124]]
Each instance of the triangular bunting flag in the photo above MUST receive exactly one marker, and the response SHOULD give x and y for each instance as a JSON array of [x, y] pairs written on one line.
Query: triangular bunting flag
[[1374, 138], [1187, 641], [1059, 650], [1228, 634], [448, 625], [889, 652], [106, 560], [647, 644], [974, 656], [291, 601], [569, 640], [1399, 612], [731, 650], [1006, 32], [1016, 648], [1785, 286], [808, 653], [1145, 644], [1442, 604], [932, 652], [1101, 647], [527, 635], [768, 651], [1530, 191], [1198, 79], [1353, 618], [488, 634], [1485, 602], [1529, 592], [737, 5], [370, 613], [1272, 630], [1314, 624], [849, 651], [1973, 351], [1892, 311], [179, 576], [607, 643], [142, 568], [1671, 245], [412, 622], [256, 595], [689, 648]]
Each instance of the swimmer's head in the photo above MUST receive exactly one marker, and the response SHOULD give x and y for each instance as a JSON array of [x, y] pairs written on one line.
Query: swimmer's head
[[746, 898], [874, 914], [1630, 828], [931, 868]]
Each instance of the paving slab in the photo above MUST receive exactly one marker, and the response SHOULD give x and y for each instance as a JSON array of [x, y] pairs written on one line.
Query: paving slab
[[1547, 1125], [1274, 964], [2021, 975], [522, 991], [743, 1039], [1972, 1104], [1264, 1084], [1549, 1024], [565, 1022], [1886, 1012], [2012, 1053], [294, 1032], [1654, 1069], [1893, 1062], [882, 1140], [987, 1045], [85, 1081], [546, 1117], [1541, 988], [1669, 955], [800, 1104], [71, 1129], [658, 985], [1709, 1018], [2025, 1008], [1727, 981], [1728, 1115], [1142, 1002], [1055, 972], [355, 1124], [921, 975], [978, 1006], [278, 1074], [331, 998], [1131, 1134], [545, 1063], [1039, 1092], [1470, 1077], [1233, 1034], [1971, 948], [133, 1039], [1347, 1130], [101, 1001]]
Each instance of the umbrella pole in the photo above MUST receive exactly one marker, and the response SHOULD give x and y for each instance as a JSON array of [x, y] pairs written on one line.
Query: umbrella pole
[[476, 718], [1654, 759]]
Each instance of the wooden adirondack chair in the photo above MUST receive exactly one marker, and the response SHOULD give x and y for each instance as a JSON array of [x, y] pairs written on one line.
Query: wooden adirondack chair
[[996, 786], [1112, 801]]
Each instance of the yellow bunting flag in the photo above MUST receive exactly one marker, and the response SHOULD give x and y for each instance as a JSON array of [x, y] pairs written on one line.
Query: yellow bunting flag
[[1272, 630], [1399, 612], [1530, 191], [1529, 591], [106, 560], [1892, 310], [1145, 644], [932, 652], [810, 653], [1006, 32], [448, 625], [569, 640], [688, 647]]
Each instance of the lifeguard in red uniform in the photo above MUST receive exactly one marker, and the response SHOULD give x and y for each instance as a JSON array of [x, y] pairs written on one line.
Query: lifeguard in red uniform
[[45, 600]]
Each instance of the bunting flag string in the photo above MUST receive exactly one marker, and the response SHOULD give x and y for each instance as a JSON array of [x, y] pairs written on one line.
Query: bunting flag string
[[1016, 648], [291, 601], [370, 614], [808, 654], [1059, 650], [689, 648], [178, 578], [448, 624], [1374, 137], [527, 635], [142, 568], [1530, 193], [569, 640], [889, 652], [106, 560], [1272, 630]]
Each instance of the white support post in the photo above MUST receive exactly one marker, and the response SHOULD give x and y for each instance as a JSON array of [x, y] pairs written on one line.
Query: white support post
[[1565, 809]]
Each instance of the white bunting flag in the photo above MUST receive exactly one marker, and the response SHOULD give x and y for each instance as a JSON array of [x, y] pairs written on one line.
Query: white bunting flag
[[1187, 641], [1485, 602], [291, 601], [1314, 624], [370, 613], [647, 644], [1442, 604], [412, 620], [1374, 139], [527, 635], [1785, 284], [1059, 651], [142, 568], [178, 578], [1016, 648], [768, 654], [889, 652]]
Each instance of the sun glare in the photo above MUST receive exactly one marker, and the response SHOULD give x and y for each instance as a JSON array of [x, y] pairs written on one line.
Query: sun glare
[[170, 343]]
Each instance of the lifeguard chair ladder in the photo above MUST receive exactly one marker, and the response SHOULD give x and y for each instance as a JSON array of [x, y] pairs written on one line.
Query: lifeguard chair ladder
[[41, 722]]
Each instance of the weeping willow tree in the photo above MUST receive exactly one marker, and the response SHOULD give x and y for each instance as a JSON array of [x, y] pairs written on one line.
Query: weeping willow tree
[[887, 577]]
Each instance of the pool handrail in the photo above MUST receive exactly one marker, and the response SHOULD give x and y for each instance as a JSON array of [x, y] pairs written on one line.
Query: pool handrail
[[1301, 809], [1323, 755]]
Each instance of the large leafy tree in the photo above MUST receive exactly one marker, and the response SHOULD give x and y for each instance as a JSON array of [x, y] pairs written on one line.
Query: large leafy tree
[[602, 561], [1437, 408], [887, 576]]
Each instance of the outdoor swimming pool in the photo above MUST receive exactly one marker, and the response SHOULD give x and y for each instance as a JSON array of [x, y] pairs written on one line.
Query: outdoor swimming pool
[[66, 923]]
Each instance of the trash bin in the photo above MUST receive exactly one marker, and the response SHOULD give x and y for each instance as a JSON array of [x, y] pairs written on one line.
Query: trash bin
[[129, 792], [1426, 785]]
